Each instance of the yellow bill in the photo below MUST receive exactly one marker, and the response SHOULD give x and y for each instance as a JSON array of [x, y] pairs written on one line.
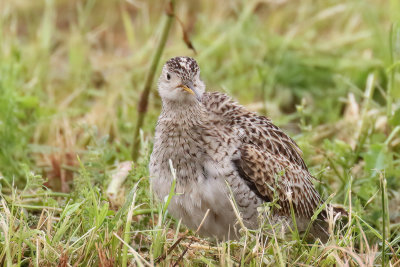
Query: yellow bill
[[187, 89]]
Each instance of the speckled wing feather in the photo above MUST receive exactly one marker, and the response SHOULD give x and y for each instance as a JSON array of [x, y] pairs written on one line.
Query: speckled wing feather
[[270, 160], [257, 130], [276, 177]]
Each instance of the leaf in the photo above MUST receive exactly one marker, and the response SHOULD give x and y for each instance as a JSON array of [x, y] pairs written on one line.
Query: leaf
[[28, 101], [377, 158], [70, 209], [395, 119]]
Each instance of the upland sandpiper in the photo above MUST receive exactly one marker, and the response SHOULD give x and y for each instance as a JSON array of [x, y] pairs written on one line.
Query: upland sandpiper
[[219, 149]]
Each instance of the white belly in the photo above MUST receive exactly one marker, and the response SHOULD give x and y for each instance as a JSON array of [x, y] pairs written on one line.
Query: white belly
[[192, 202], [194, 198]]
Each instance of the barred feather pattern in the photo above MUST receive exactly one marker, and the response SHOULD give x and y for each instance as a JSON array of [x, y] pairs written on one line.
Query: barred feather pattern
[[267, 155]]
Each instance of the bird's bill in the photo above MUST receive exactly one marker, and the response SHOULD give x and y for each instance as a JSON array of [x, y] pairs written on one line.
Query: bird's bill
[[187, 89]]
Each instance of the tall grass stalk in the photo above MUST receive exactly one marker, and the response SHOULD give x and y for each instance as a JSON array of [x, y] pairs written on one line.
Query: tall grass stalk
[[385, 228], [127, 231], [144, 97]]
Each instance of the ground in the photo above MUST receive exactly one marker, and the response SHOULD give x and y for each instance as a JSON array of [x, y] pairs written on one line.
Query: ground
[[71, 75]]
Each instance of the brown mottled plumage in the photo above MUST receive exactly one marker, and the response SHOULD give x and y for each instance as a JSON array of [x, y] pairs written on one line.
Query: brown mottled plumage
[[218, 147], [265, 152]]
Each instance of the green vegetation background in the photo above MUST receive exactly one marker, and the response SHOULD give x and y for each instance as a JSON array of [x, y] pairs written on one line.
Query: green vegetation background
[[71, 74]]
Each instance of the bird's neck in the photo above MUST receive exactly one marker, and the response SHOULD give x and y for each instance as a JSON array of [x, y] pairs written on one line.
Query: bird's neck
[[183, 112]]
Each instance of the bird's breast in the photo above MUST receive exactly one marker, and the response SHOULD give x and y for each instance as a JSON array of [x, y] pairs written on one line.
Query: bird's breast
[[182, 146]]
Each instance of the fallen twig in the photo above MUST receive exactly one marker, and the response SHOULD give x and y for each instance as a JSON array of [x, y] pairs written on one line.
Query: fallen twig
[[191, 240], [162, 257]]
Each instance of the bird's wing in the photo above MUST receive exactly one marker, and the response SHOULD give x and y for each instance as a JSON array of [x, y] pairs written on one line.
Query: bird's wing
[[270, 161], [256, 130], [277, 178]]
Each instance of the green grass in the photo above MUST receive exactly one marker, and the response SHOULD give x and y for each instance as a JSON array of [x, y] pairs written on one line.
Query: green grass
[[70, 79]]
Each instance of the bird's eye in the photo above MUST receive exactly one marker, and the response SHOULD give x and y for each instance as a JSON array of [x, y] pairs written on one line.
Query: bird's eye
[[168, 77]]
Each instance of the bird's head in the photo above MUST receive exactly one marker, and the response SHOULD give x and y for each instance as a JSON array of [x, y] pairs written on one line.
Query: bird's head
[[180, 81]]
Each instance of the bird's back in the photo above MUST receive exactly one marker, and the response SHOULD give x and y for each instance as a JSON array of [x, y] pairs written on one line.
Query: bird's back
[[271, 163], [267, 149]]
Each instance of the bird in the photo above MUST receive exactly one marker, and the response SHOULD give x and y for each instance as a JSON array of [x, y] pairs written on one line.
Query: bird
[[228, 161]]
